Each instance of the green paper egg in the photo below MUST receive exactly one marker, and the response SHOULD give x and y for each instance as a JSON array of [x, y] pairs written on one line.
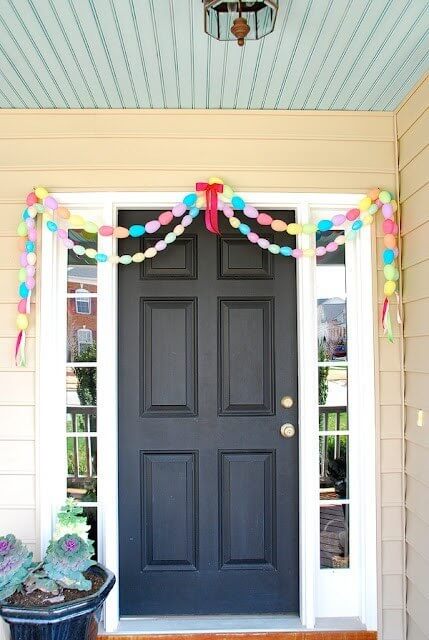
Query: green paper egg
[[389, 271]]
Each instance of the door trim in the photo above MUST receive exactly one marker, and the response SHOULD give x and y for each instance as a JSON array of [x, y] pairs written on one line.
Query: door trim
[[51, 392]]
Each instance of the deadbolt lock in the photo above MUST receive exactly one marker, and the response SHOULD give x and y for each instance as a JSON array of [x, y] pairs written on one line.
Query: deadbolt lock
[[286, 402]]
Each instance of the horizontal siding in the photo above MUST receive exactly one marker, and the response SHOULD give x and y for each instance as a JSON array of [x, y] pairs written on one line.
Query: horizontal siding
[[168, 150], [412, 122]]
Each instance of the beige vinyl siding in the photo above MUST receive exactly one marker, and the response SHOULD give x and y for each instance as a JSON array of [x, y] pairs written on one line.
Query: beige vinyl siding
[[413, 138], [170, 150]]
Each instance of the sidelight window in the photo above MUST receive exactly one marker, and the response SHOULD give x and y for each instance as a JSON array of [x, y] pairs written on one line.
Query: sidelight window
[[81, 381], [333, 407]]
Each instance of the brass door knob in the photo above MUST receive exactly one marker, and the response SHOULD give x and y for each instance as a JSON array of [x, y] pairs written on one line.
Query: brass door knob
[[287, 430]]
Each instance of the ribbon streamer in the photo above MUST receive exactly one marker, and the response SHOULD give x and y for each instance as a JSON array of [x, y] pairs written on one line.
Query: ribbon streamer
[[386, 320], [211, 216]]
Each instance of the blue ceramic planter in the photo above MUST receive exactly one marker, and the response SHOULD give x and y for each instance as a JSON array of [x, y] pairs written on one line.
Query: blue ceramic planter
[[76, 620]]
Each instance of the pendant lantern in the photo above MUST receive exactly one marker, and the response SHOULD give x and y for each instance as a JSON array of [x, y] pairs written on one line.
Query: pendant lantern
[[239, 21]]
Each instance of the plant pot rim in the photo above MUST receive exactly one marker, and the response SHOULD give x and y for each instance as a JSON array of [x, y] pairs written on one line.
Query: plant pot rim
[[63, 610]]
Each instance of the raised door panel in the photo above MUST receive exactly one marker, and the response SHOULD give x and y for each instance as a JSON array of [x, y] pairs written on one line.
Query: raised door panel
[[239, 259], [178, 261], [168, 368]]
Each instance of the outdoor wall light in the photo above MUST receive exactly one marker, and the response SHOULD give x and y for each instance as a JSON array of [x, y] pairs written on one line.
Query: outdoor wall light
[[239, 20]]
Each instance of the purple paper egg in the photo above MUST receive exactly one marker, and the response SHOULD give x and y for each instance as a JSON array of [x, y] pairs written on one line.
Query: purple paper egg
[[161, 245], [186, 221], [50, 202], [250, 211], [152, 226], [263, 243], [31, 270], [338, 220], [178, 210], [23, 260]]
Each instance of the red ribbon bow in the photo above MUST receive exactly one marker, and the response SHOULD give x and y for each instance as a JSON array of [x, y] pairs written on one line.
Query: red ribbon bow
[[211, 190]]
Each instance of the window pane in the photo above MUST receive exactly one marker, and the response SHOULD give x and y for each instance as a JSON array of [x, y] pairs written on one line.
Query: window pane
[[333, 387], [333, 419], [81, 420], [81, 386], [82, 329], [331, 301], [81, 270], [333, 467], [91, 514], [334, 536], [82, 469]]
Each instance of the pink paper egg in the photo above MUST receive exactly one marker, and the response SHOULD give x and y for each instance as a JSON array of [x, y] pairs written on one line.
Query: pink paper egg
[[31, 270], [31, 198], [32, 235], [69, 244], [31, 283], [105, 230], [352, 214], [253, 237], [228, 211], [250, 211], [396, 252], [22, 305], [161, 245], [152, 226], [30, 223], [338, 220], [23, 259], [320, 251], [395, 229], [165, 218], [263, 243], [331, 246], [62, 233], [297, 253], [264, 219], [388, 226], [178, 210]]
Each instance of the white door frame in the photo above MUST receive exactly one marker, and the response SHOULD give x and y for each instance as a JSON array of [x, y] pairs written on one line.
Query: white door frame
[[103, 208]]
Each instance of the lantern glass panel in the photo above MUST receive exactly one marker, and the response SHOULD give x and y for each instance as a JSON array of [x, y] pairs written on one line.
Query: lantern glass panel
[[219, 17]]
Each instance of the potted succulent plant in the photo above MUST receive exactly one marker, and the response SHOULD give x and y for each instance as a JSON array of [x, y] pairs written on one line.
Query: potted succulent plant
[[59, 598]]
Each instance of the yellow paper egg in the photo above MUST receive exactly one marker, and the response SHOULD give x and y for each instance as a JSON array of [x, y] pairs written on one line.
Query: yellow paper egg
[[21, 321], [201, 201], [389, 287], [234, 222], [294, 228], [367, 220], [365, 203], [150, 253], [178, 229], [76, 222], [114, 259], [309, 228], [278, 225], [227, 192], [138, 257], [214, 180], [41, 192], [91, 253], [309, 252], [90, 227]]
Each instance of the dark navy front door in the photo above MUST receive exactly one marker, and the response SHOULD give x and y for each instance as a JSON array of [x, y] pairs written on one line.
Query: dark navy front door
[[208, 486]]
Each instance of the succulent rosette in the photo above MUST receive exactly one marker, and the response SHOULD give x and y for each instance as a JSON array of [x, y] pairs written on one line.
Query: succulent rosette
[[15, 564], [66, 560]]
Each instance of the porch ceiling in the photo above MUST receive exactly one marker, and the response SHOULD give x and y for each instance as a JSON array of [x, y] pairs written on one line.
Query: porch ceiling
[[323, 54]]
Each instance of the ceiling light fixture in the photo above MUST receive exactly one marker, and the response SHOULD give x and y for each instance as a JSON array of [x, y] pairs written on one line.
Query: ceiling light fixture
[[239, 21]]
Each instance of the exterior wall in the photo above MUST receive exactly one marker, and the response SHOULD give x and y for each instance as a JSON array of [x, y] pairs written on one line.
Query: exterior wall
[[413, 135], [170, 150]]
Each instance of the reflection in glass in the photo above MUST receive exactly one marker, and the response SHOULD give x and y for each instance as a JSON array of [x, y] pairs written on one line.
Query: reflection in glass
[[81, 270], [81, 420], [91, 514], [82, 469], [333, 467], [333, 386], [81, 386], [333, 419], [334, 536], [81, 329]]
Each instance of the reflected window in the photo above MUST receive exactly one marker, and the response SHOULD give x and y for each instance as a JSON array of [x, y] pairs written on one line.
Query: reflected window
[[84, 340], [83, 305]]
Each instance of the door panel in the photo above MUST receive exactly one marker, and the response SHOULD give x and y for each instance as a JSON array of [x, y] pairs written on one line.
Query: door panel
[[208, 487]]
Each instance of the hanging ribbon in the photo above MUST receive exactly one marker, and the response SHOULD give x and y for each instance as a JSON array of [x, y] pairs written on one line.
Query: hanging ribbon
[[20, 360], [211, 191], [386, 320]]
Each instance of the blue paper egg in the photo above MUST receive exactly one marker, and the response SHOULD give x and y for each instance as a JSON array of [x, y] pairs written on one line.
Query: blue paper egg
[[52, 226], [237, 202], [25, 214], [194, 212], [244, 229], [190, 199], [23, 290], [357, 225], [137, 230], [324, 225], [286, 251], [29, 246], [101, 257], [388, 256]]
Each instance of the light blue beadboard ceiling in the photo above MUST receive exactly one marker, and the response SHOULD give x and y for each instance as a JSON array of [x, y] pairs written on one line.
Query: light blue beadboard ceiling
[[323, 54]]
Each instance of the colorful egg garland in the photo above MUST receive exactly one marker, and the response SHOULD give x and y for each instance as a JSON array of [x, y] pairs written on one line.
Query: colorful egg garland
[[218, 197]]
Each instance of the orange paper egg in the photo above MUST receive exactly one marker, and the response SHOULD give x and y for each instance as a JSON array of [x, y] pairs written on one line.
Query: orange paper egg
[[121, 232], [390, 241], [278, 225]]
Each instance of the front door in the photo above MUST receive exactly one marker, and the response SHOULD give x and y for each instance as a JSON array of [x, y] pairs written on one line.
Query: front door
[[208, 487]]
